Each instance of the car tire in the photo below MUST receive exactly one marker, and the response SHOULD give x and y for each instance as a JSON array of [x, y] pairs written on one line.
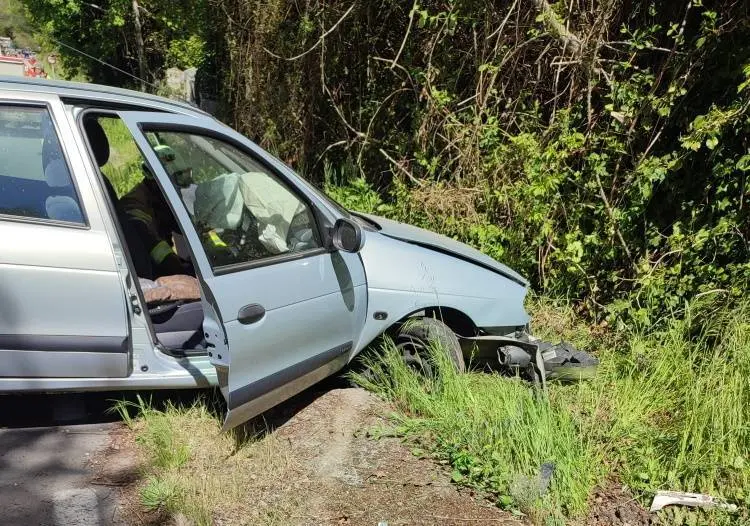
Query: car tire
[[416, 336]]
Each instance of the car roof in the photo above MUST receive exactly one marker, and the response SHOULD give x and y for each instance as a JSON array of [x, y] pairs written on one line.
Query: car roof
[[98, 92]]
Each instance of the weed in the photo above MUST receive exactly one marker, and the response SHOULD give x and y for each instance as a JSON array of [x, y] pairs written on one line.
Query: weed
[[495, 432], [672, 407], [122, 408], [159, 493]]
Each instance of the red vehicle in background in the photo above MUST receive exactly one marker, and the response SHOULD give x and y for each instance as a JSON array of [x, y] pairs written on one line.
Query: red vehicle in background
[[20, 62], [33, 68]]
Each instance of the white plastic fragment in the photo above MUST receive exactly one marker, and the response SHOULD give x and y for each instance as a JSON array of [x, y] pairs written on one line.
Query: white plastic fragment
[[668, 498]]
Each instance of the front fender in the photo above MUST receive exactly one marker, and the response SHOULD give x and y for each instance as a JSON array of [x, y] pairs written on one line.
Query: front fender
[[403, 278]]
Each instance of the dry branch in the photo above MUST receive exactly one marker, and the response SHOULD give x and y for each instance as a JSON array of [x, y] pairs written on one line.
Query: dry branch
[[318, 42]]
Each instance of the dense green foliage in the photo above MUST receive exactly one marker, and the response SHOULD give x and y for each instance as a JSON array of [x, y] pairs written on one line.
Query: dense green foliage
[[613, 173], [600, 148], [13, 24], [666, 411], [172, 34]]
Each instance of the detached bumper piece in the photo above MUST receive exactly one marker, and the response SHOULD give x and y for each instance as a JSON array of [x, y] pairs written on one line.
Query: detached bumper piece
[[531, 358], [566, 363]]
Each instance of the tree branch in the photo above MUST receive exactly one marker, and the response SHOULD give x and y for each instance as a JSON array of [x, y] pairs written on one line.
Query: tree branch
[[558, 29], [406, 36], [320, 40]]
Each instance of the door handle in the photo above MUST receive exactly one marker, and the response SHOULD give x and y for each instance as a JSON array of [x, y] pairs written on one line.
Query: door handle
[[250, 314]]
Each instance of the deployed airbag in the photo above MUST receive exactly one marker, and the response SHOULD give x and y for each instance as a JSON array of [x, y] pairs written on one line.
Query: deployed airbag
[[220, 203]]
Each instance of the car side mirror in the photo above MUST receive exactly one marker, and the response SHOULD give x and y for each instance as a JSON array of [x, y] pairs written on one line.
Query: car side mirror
[[346, 235]]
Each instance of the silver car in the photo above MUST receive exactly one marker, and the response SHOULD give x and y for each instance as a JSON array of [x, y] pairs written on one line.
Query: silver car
[[291, 286]]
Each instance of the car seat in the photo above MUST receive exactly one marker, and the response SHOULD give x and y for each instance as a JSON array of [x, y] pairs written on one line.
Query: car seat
[[175, 311], [179, 325]]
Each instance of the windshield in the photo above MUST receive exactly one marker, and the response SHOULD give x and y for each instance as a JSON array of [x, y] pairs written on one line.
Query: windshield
[[363, 221], [326, 198]]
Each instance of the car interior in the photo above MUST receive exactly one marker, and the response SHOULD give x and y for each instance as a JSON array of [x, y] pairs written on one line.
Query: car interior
[[176, 317]]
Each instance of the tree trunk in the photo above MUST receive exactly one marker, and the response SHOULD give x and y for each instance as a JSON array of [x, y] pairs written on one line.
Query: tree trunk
[[139, 45]]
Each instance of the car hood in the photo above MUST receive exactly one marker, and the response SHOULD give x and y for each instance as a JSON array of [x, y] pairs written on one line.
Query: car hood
[[440, 243]]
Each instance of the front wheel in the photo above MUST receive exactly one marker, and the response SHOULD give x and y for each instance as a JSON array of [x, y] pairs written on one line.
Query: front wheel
[[417, 336]]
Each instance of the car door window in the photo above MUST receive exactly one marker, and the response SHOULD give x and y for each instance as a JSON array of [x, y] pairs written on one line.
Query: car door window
[[241, 210], [35, 181]]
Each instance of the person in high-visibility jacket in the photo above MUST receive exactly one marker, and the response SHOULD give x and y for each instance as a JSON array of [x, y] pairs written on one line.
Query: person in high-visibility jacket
[[149, 215]]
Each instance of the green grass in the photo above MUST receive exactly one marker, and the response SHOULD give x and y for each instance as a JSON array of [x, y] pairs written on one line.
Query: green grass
[[194, 470], [669, 410], [159, 493], [495, 433], [675, 405], [157, 437]]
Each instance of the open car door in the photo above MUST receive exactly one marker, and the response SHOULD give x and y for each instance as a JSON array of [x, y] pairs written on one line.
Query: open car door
[[281, 309]]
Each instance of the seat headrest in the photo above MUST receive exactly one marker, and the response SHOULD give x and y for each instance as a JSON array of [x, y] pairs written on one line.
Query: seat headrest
[[57, 175], [63, 208], [97, 139]]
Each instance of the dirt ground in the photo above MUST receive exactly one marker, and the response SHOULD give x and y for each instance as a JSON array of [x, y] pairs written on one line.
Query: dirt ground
[[615, 506], [336, 474]]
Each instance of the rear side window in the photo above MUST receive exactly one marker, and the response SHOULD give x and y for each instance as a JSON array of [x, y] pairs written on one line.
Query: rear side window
[[35, 180]]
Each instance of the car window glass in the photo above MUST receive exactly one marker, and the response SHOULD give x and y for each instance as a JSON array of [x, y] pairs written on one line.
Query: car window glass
[[241, 210], [35, 180], [124, 168]]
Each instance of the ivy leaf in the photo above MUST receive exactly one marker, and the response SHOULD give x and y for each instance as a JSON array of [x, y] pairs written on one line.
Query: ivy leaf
[[692, 144], [712, 142]]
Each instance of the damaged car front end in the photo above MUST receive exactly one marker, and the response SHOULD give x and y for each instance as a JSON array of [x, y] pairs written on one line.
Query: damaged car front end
[[412, 272]]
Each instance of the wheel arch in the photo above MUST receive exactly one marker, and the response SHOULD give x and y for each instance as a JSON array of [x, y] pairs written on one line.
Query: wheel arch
[[458, 321]]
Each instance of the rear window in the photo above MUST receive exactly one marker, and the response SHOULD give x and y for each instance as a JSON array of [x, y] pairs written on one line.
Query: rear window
[[22, 138], [35, 180]]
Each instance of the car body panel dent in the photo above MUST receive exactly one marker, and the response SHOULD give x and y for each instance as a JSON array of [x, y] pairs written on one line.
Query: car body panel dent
[[427, 239], [403, 278]]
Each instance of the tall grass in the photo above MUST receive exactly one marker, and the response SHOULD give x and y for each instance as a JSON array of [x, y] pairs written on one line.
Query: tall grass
[[668, 410], [674, 406], [496, 433]]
